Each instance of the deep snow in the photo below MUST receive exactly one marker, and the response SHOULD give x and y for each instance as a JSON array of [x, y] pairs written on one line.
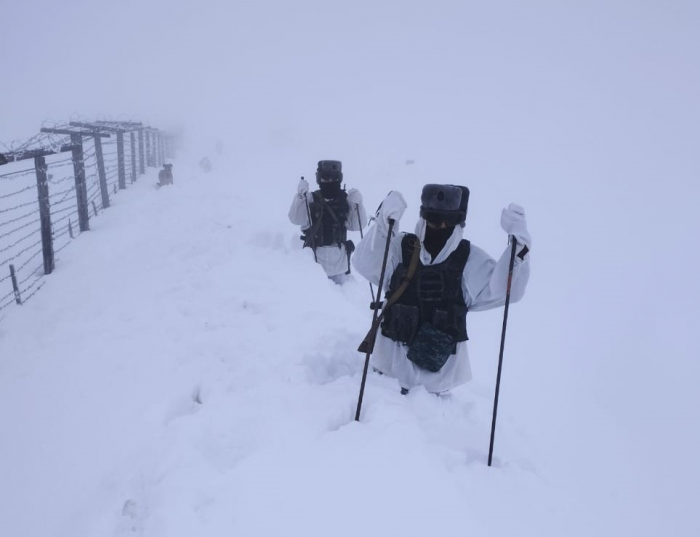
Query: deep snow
[[188, 370]]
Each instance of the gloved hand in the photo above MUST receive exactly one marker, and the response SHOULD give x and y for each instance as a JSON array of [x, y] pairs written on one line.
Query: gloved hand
[[392, 207], [303, 187], [354, 196], [513, 223]]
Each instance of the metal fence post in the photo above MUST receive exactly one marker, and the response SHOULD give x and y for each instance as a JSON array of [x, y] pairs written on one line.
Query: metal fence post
[[42, 186]]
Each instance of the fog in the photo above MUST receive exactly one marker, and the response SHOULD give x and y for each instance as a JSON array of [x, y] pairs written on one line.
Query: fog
[[584, 112]]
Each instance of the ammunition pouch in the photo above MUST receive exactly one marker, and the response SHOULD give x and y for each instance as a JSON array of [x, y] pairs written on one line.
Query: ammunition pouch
[[431, 348]]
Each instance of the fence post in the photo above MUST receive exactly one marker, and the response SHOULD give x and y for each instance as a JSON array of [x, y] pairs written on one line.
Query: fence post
[[120, 160], [94, 208], [142, 157], [99, 156], [161, 140], [42, 186], [70, 229], [133, 158], [80, 187], [18, 298], [159, 153], [149, 160]]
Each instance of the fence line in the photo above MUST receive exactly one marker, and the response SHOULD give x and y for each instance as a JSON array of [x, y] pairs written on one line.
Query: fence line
[[103, 155]]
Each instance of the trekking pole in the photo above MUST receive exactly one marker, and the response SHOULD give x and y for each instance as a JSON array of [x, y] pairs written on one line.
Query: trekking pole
[[503, 341], [373, 334], [308, 214], [362, 236]]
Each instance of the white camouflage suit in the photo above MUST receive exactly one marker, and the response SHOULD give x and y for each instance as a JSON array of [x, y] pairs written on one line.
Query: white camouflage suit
[[333, 259], [483, 284]]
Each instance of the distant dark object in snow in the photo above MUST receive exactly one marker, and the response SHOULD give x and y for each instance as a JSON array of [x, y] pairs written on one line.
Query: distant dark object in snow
[[205, 164], [219, 147], [409, 162], [165, 176]]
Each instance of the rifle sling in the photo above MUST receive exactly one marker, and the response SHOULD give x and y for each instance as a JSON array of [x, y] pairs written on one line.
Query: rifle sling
[[372, 334]]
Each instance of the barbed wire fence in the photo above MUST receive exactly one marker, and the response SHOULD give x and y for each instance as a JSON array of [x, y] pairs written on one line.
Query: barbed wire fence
[[53, 184]]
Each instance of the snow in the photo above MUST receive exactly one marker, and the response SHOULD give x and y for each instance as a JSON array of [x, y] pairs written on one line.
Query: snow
[[188, 370]]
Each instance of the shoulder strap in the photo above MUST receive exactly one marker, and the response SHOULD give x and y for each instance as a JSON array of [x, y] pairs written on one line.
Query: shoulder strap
[[327, 207], [461, 253], [413, 265], [316, 197]]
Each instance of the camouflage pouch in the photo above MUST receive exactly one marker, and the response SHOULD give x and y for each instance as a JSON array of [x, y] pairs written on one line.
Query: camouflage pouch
[[431, 348]]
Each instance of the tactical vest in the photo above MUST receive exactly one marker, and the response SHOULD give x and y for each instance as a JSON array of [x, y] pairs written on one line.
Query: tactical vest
[[328, 218], [434, 296]]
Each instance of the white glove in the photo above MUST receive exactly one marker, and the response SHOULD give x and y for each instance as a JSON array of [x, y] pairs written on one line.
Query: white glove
[[392, 207], [303, 187], [513, 223], [354, 196]]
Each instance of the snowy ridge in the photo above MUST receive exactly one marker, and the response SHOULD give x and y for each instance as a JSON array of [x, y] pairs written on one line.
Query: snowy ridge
[[209, 371], [189, 371]]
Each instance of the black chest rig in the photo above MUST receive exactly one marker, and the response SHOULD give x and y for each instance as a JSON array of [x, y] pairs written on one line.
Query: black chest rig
[[434, 296], [328, 219]]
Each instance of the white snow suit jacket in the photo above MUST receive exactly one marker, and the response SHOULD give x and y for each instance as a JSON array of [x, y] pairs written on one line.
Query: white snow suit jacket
[[333, 259], [483, 284]]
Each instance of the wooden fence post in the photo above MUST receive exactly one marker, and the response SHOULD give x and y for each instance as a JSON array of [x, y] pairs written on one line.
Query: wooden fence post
[[80, 187], [142, 156], [42, 186], [120, 160], [99, 156], [133, 158], [149, 156], [18, 298]]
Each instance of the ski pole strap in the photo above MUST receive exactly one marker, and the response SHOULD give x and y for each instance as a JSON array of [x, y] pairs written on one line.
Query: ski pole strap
[[368, 343]]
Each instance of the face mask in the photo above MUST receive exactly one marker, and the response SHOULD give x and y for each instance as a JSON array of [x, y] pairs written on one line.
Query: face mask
[[330, 190], [435, 239]]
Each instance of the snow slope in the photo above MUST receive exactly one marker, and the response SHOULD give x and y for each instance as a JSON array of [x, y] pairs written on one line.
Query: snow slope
[[188, 370]]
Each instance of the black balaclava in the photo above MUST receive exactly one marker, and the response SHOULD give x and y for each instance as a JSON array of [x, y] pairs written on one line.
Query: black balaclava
[[330, 190], [435, 239]]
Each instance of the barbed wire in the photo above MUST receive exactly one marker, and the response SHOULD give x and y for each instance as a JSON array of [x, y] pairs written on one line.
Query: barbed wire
[[64, 198], [62, 179], [8, 303], [63, 210], [63, 206], [31, 274], [10, 246], [65, 217], [30, 295], [61, 162], [7, 261], [60, 248], [35, 202], [20, 227], [8, 222], [19, 173], [56, 194], [17, 192], [11, 293]]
